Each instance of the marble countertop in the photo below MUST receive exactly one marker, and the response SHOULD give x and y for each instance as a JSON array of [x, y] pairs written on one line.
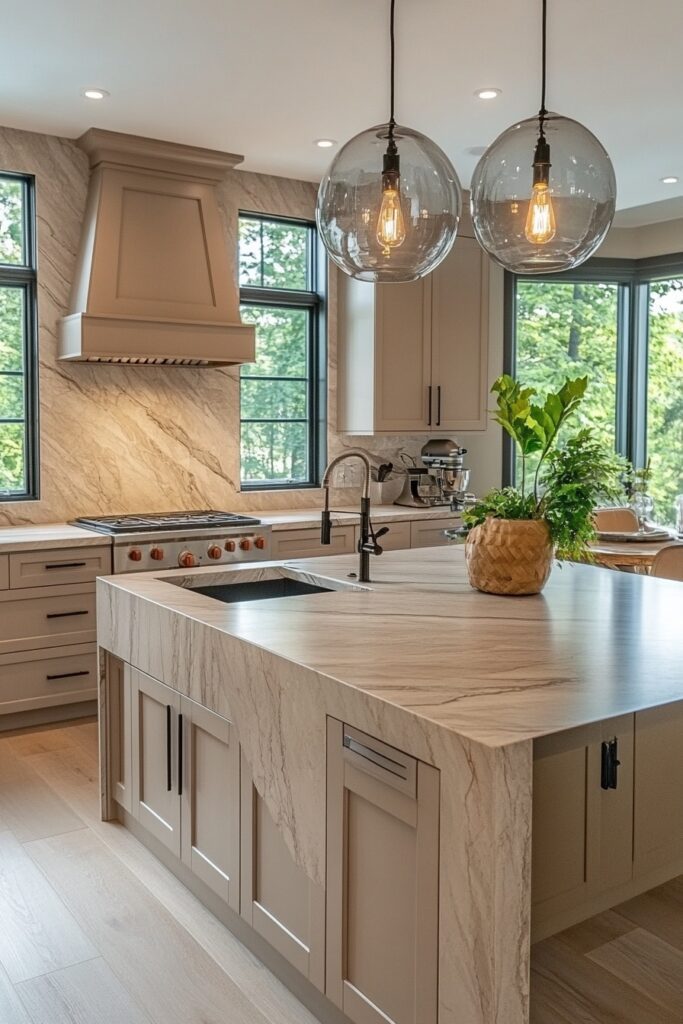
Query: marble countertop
[[307, 518], [48, 536], [496, 670]]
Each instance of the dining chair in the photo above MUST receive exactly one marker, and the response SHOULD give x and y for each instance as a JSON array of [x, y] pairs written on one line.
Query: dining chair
[[668, 562], [615, 520]]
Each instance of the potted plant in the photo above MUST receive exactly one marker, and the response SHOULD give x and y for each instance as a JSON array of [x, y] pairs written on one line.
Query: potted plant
[[516, 532]]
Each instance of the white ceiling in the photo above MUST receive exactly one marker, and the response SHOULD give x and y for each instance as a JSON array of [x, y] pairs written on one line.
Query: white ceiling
[[267, 77]]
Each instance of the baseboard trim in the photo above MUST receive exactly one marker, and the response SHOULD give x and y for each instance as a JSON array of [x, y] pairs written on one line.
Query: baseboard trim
[[46, 716]]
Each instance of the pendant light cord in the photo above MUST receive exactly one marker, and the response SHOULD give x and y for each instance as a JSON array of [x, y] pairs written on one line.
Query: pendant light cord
[[392, 120], [543, 112]]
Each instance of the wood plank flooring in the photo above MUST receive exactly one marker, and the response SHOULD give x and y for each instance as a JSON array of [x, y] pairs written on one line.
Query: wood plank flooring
[[94, 930]]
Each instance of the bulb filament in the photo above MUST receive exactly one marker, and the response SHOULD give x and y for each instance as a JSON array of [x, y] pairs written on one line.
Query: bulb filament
[[391, 228]]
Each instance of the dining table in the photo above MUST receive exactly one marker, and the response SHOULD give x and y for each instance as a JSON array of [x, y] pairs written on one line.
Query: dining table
[[631, 555]]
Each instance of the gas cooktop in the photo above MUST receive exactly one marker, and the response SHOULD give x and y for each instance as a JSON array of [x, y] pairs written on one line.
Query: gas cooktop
[[154, 522]]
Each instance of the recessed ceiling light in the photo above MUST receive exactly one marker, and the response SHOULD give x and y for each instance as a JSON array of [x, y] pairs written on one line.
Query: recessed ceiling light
[[95, 94], [325, 143], [670, 179], [487, 94]]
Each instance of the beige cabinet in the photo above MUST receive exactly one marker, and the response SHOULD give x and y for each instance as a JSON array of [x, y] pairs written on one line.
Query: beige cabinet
[[430, 533], [185, 774], [413, 357], [209, 773], [582, 830], [382, 881], [658, 821], [4, 572], [156, 788], [295, 544], [33, 680], [119, 696], [278, 899], [58, 568], [397, 539]]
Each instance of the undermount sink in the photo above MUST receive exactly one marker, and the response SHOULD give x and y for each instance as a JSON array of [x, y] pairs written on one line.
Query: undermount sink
[[260, 590]]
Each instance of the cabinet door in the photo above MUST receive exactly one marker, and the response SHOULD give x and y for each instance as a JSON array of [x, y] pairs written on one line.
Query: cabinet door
[[382, 881], [429, 533], [208, 769], [658, 822], [402, 357], [156, 800], [120, 711], [460, 338], [279, 900], [295, 544], [397, 539], [581, 833]]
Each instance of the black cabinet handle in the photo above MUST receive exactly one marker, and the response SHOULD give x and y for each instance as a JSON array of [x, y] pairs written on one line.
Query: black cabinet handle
[[63, 615], [180, 755], [438, 405], [67, 565], [429, 404], [168, 747], [68, 675], [609, 764]]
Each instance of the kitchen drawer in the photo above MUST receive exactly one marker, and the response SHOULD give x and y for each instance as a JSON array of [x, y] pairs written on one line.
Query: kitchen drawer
[[429, 533], [58, 567], [47, 617], [4, 572], [294, 544], [47, 678], [397, 539]]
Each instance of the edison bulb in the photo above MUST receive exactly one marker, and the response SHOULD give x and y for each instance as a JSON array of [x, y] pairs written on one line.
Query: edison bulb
[[540, 224], [391, 228]]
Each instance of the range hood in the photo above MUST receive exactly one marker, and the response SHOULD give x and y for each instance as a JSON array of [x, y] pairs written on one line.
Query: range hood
[[154, 283]]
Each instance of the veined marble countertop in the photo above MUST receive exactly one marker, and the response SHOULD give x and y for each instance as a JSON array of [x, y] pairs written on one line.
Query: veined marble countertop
[[496, 670], [49, 536]]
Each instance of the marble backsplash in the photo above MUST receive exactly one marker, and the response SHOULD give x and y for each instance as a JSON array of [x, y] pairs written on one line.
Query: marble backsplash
[[133, 439]]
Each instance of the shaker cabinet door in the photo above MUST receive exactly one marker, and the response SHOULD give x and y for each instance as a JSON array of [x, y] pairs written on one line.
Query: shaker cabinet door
[[658, 822], [460, 296], [402, 357], [382, 881], [119, 714], [279, 900], [156, 802], [209, 771]]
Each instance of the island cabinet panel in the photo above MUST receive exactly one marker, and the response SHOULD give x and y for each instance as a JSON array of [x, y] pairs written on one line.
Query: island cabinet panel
[[120, 734], [582, 844], [382, 881], [658, 822], [185, 779], [278, 899], [293, 544], [210, 772], [156, 799]]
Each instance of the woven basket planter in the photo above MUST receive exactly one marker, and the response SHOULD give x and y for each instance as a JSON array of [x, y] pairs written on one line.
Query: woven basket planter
[[509, 556]]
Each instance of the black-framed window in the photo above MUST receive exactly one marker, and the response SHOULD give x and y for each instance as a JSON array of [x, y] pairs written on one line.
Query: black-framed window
[[282, 394], [18, 340], [621, 322]]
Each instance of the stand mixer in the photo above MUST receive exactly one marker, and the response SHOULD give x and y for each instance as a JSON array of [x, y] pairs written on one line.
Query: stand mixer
[[441, 481]]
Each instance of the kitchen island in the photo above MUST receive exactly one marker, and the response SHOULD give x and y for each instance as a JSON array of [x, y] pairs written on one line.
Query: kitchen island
[[412, 774]]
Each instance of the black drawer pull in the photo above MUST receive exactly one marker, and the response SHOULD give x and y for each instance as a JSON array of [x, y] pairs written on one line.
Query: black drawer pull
[[180, 755], [438, 405], [609, 764], [168, 748], [68, 675], [63, 615], [67, 565]]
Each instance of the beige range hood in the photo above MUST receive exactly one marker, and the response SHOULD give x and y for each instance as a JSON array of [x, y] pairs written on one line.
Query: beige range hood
[[154, 283]]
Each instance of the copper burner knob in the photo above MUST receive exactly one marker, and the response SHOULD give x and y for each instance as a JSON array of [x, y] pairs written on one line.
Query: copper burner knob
[[230, 545], [214, 551], [157, 554], [260, 543], [245, 544], [186, 559], [135, 555]]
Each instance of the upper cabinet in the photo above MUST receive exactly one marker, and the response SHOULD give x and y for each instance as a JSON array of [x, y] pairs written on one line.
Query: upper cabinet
[[413, 357]]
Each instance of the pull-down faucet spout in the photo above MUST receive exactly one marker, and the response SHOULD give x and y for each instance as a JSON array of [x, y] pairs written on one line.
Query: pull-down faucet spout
[[367, 545]]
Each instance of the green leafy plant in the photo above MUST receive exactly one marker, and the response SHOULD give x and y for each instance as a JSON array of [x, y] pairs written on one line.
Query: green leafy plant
[[569, 478]]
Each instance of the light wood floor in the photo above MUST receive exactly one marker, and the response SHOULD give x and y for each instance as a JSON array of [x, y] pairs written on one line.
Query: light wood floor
[[94, 930]]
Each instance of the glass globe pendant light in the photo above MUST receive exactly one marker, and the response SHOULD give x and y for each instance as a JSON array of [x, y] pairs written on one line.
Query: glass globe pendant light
[[389, 204], [551, 212]]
